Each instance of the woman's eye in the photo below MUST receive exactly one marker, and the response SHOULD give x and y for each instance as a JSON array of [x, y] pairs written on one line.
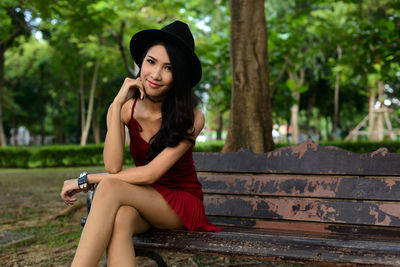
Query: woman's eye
[[168, 68], [150, 61]]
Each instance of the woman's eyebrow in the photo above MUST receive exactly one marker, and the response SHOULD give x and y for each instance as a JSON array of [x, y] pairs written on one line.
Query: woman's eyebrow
[[154, 59]]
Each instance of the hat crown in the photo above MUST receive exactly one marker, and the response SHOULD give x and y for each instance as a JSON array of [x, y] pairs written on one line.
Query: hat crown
[[180, 30]]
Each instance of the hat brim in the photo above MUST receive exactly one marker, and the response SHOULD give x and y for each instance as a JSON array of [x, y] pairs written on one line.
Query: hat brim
[[140, 43]]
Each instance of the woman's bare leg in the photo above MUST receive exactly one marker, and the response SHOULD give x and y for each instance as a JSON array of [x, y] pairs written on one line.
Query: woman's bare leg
[[120, 251], [110, 195]]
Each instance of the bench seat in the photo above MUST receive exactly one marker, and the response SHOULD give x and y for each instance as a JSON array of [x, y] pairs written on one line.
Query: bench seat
[[277, 245], [306, 204]]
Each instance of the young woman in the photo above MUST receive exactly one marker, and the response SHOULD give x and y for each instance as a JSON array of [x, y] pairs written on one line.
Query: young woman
[[162, 191]]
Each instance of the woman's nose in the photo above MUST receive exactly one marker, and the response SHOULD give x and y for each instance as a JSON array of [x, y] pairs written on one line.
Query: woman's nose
[[156, 73]]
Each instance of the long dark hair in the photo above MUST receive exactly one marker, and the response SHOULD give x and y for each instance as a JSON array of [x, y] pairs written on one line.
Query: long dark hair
[[177, 107]]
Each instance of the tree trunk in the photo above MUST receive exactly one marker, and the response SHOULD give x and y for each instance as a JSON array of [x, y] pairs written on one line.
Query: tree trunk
[[85, 131], [96, 124], [371, 114], [380, 126], [82, 95], [310, 106], [96, 130], [294, 110], [220, 124], [3, 141], [251, 116], [336, 97]]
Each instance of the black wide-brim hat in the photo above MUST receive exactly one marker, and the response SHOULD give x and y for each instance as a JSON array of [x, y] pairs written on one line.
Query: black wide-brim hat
[[177, 33]]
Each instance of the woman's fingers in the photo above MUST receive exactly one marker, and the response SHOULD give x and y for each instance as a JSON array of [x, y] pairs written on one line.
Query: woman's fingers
[[141, 89], [70, 188], [128, 89]]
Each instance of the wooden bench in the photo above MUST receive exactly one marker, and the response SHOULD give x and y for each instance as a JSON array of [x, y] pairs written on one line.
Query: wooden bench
[[306, 204]]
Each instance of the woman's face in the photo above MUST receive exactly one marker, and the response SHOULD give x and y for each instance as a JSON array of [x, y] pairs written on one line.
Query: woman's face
[[156, 72]]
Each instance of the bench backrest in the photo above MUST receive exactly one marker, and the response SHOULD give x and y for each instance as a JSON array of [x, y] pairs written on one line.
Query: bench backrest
[[304, 188]]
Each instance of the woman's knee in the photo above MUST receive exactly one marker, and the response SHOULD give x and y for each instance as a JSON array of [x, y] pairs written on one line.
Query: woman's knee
[[129, 221], [107, 193], [107, 186]]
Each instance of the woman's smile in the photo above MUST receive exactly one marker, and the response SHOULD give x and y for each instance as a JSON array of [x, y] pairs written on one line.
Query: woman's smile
[[153, 85]]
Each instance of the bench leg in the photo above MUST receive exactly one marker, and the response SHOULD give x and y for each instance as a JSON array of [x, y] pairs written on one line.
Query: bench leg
[[148, 254], [152, 255]]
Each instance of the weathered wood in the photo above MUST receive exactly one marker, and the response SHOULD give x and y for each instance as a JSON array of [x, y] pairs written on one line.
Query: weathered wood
[[316, 210], [301, 204], [306, 228], [315, 186], [305, 158], [275, 246]]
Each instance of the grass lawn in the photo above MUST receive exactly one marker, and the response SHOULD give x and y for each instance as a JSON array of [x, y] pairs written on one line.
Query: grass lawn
[[31, 236]]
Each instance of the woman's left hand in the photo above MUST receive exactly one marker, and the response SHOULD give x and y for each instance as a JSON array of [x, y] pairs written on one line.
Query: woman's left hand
[[69, 189]]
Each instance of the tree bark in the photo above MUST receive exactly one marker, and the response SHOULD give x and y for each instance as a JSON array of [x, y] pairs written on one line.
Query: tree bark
[[336, 111], [294, 110], [82, 95], [88, 120], [251, 117], [371, 114], [380, 126], [220, 123], [310, 106], [96, 123], [96, 130], [3, 141]]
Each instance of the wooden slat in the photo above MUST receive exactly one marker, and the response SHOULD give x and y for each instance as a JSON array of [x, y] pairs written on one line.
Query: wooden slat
[[316, 210], [305, 158], [365, 231], [318, 186], [275, 246]]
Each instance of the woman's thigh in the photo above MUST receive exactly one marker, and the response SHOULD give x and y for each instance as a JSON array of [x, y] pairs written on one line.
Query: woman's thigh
[[150, 204]]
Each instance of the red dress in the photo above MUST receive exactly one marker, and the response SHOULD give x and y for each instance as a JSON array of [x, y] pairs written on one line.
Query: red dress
[[179, 186]]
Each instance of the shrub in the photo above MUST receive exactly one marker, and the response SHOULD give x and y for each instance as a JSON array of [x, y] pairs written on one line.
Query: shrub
[[14, 157], [76, 155]]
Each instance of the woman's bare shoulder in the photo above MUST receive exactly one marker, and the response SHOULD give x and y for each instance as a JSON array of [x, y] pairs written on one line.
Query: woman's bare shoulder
[[126, 110], [198, 121]]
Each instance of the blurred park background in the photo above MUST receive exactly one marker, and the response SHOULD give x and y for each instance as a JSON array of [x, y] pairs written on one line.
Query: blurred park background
[[333, 76], [334, 71]]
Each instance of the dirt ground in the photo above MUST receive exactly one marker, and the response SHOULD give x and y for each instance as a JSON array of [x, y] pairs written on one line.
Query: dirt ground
[[31, 235]]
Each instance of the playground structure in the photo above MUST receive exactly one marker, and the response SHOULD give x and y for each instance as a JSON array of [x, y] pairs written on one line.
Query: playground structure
[[377, 124]]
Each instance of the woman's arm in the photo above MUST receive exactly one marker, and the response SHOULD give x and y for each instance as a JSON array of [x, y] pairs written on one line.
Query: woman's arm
[[113, 153], [151, 172], [146, 174]]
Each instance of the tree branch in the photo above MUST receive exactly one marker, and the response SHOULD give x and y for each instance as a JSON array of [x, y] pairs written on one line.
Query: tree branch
[[20, 26], [278, 78], [118, 37]]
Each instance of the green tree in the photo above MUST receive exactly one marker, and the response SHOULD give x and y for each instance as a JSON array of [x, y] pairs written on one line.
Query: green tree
[[13, 24], [251, 118]]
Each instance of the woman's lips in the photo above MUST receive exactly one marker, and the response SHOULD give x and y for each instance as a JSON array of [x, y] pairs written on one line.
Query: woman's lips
[[153, 85]]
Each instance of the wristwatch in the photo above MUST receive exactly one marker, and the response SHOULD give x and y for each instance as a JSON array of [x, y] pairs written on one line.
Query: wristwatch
[[83, 182]]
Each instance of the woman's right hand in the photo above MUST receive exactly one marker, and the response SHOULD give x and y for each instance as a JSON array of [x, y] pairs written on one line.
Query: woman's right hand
[[128, 89]]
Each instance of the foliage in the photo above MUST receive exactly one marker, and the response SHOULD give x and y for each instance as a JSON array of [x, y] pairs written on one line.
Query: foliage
[[14, 157], [42, 75], [91, 155], [71, 155]]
